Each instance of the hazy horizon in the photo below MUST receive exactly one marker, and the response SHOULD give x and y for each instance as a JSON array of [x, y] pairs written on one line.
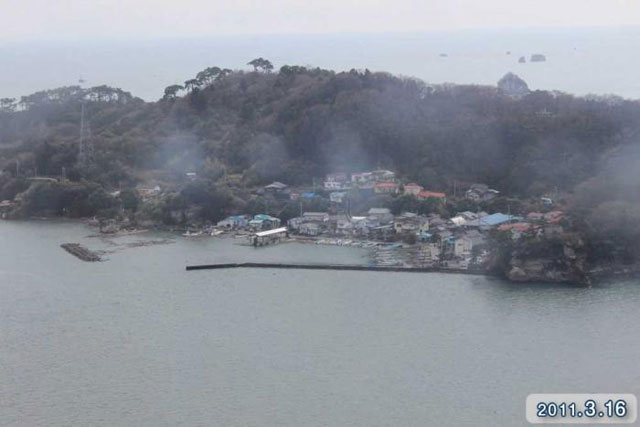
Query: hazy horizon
[[580, 60], [133, 19]]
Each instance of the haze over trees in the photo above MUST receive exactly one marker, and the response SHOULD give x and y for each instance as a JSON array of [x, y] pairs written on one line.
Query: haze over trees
[[300, 123]]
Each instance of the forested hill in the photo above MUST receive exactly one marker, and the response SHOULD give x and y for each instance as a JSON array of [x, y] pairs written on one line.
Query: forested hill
[[296, 124]]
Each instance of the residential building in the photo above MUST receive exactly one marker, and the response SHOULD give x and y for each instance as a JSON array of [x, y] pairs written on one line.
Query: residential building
[[309, 229], [380, 216], [425, 194], [276, 187], [336, 181], [412, 189], [233, 222], [493, 220], [337, 197], [264, 222], [385, 188], [481, 193], [411, 223]]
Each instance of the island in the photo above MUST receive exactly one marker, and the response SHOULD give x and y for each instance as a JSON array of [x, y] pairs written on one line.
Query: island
[[528, 185]]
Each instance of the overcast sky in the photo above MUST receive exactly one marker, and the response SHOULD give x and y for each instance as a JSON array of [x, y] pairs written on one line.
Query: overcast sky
[[150, 19]]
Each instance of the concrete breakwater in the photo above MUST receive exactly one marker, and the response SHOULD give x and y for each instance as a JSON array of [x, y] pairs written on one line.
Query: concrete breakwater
[[81, 252], [339, 267]]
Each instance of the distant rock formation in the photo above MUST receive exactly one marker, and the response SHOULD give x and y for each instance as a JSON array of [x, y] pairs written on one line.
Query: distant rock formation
[[522, 60], [444, 55], [513, 86], [538, 57]]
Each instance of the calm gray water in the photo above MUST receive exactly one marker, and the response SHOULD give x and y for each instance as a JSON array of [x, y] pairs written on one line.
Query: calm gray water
[[580, 60], [136, 340]]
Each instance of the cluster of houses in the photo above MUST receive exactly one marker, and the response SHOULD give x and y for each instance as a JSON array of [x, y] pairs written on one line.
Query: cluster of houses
[[260, 222], [460, 240], [379, 182]]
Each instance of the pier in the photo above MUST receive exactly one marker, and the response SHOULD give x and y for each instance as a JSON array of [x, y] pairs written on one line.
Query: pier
[[338, 267], [81, 252]]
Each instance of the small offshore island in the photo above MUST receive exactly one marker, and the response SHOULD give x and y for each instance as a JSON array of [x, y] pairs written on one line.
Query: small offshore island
[[528, 185]]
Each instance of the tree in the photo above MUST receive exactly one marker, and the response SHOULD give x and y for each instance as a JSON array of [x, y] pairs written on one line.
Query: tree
[[191, 84], [130, 199], [171, 92], [208, 75], [7, 105], [261, 64]]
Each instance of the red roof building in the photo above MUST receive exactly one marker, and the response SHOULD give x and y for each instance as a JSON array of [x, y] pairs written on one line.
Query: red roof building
[[425, 194]]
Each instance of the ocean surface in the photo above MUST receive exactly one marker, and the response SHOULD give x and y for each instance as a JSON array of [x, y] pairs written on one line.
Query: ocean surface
[[137, 340], [579, 60]]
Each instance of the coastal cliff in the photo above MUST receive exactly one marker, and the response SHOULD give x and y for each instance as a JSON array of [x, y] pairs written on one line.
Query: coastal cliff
[[561, 258]]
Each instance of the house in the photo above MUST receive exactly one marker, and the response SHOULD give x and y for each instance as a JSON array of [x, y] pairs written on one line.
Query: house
[[359, 225], [309, 229], [517, 228], [191, 175], [431, 251], [233, 222], [149, 193], [410, 223], [412, 189], [383, 175], [295, 223], [385, 188], [535, 216], [336, 181], [275, 187], [331, 185], [372, 177], [481, 193], [361, 178], [553, 217], [380, 216], [493, 220], [337, 177], [458, 221], [477, 239], [468, 215], [425, 194], [317, 217], [462, 246], [382, 232], [264, 222], [337, 196]]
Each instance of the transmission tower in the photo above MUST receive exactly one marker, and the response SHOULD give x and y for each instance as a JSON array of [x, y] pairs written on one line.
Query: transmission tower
[[85, 148]]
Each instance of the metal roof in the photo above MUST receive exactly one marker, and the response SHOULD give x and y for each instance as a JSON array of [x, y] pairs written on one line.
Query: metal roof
[[270, 232]]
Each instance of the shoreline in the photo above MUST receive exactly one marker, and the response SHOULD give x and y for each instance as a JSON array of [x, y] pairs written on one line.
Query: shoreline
[[595, 276]]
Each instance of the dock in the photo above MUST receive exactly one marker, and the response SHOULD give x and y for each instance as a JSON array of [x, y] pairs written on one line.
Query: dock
[[338, 267], [81, 252]]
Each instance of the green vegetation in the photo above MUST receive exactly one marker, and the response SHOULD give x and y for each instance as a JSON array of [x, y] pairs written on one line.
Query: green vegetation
[[238, 129]]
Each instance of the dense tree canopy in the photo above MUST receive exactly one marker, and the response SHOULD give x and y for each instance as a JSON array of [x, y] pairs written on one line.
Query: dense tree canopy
[[297, 124]]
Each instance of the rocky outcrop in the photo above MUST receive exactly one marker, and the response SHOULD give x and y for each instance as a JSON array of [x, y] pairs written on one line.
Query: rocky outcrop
[[538, 57], [562, 259], [513, 86]]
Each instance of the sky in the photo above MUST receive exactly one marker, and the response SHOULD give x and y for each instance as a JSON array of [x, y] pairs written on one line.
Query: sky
[[28, 20]]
